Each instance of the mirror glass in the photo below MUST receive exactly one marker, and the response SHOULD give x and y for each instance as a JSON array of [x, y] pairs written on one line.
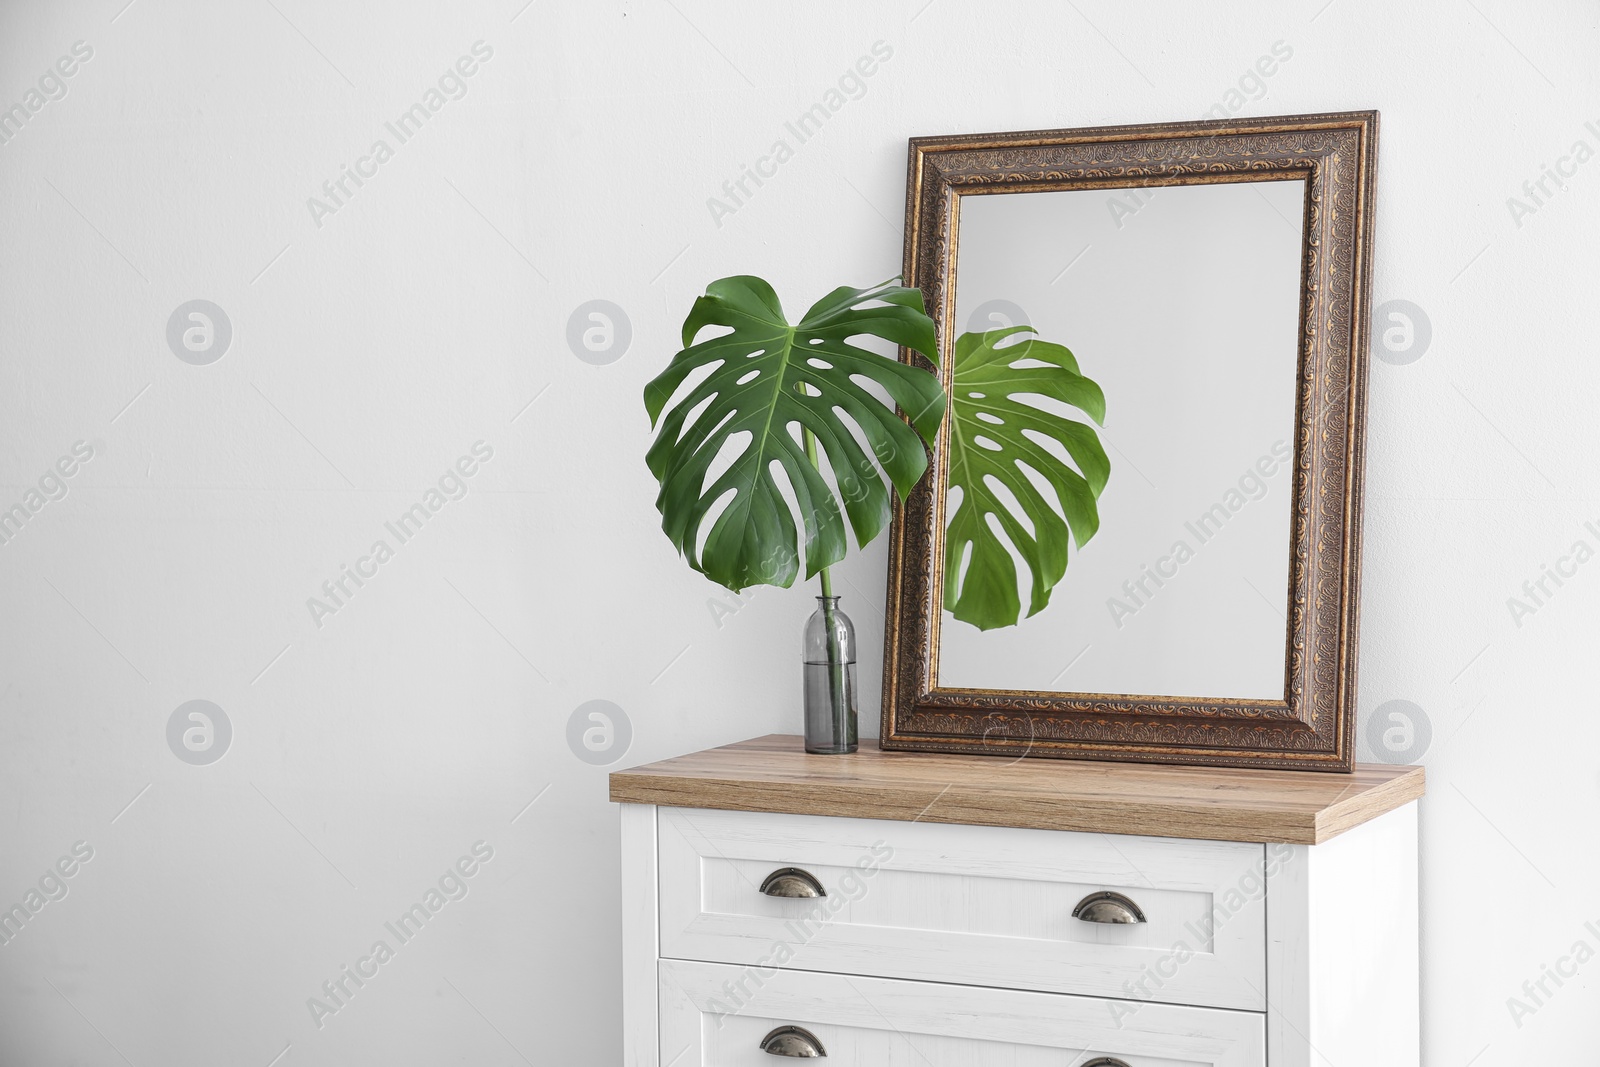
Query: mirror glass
[[1182, 303]]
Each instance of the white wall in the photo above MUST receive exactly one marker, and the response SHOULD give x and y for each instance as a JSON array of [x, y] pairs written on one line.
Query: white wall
[[370, 352]]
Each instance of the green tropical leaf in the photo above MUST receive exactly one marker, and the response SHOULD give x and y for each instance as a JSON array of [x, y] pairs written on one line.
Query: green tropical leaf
[[994, 435], [768, 376]]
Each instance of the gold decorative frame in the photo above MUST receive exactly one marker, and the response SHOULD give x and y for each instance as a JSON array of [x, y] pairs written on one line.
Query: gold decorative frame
[[1312, 727]]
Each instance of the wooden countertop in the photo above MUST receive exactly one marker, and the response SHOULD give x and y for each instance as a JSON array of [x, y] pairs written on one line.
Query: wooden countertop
[[774, 773]]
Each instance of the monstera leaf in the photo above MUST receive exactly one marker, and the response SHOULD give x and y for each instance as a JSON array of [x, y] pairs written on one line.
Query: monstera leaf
[[768, 376], [994, 432]]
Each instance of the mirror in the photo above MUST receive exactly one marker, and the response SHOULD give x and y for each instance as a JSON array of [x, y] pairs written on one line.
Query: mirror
[[1140, 537], [1182, 591]]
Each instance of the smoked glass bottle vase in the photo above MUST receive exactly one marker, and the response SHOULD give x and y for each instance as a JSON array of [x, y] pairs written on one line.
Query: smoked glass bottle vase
[[830, 680]]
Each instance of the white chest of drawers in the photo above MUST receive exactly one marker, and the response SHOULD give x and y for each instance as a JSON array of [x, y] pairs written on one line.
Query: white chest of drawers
[[885, 909]]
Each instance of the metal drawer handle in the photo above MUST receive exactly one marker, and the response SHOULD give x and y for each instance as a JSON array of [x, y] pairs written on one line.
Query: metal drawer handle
[[792, 882], [1106, 1061], [1107, 907], [793, 1041]]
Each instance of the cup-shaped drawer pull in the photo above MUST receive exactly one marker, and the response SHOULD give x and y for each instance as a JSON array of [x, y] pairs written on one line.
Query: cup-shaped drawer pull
[[792, 882], [1106, 1061], [795, 1041], [1107, 907]]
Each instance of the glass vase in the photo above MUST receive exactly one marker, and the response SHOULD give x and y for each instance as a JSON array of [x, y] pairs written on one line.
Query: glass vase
[[830, 680]]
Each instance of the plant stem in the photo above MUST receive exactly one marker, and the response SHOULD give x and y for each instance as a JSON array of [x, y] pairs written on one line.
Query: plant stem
[[811, 454], [836, 695]]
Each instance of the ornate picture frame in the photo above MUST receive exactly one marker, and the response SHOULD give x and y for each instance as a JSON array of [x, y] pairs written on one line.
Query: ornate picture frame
[[1312, 726]]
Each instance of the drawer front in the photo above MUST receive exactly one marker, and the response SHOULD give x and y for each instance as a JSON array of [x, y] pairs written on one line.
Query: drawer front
[[715, 1015], [975, 905]]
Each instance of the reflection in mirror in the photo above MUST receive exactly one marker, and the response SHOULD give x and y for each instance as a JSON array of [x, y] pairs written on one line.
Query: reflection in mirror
[[1156, 422]]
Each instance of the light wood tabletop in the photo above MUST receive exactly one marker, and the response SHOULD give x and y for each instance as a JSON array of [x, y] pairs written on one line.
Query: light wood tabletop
[[775, 774]]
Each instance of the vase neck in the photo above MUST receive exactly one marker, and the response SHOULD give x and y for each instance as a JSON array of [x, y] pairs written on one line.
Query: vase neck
[[827, 601]]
